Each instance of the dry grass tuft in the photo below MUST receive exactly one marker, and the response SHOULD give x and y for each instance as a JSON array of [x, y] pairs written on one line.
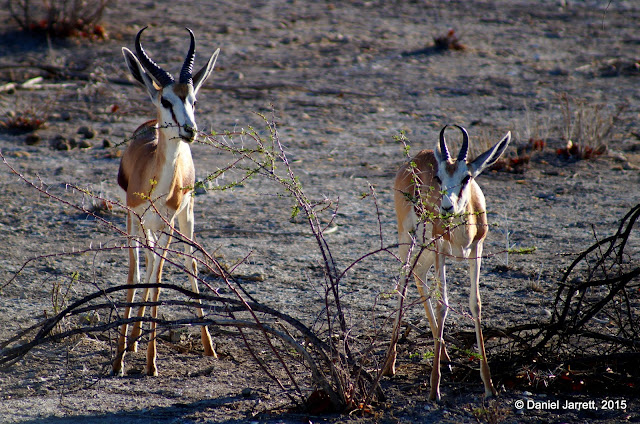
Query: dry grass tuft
[[587, 127], [60, 18]]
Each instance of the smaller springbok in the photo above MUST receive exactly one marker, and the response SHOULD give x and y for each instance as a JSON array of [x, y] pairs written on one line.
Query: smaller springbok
[[441, 212], [157, 173]]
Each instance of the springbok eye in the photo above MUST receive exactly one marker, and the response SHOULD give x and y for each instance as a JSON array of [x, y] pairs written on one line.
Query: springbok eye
[[165, 103]]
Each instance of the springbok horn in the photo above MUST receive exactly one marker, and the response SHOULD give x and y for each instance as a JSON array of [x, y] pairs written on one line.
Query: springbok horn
[[443, 145], [464, 150], [161, 76], [187, 68]]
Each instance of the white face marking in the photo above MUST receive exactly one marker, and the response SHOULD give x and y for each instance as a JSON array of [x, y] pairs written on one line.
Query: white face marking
[[454, 187], [455, 176], [178, 114]]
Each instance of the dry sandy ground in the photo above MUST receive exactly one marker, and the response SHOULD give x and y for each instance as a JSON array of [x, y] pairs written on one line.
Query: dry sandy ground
[[343, 79]]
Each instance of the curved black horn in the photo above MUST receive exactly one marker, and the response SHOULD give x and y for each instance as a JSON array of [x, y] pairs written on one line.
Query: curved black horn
[[161, 76], [187, 67], [443, 145], [464, 150]]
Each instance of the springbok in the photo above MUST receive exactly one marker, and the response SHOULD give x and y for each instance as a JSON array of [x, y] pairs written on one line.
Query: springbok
[[441, 212], [157, 173]]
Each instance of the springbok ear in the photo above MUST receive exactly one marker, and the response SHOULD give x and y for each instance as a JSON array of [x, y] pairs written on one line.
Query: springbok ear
[[138, 72], [202, 75], [489, 157]]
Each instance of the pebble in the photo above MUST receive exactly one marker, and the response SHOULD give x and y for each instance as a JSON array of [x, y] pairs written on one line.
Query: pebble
[[32, 139], [237, 75], [60, 142], [84, 144], [224, 29], [86, 132]]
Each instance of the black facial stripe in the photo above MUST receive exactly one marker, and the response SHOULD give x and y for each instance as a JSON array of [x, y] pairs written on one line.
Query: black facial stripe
[[173, 116], [463, 184], [168, 105]]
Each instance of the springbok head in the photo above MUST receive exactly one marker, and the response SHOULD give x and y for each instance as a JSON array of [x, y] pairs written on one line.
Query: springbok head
[[455, 176], [174, 101]]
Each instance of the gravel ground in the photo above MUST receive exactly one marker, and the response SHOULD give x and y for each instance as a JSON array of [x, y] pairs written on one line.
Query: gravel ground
[[342, 80]]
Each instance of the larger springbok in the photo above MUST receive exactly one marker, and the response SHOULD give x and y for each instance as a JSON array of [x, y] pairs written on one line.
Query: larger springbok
[[157, 173], [441, 212]]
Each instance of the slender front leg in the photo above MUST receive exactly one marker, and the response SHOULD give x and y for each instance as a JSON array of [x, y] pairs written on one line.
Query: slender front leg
[[190, 263], [118, 363], [133, 277], [475, 305], [186, 222], [152, 368], [442, 309], [428, 307], [136, 331], [159, 252]]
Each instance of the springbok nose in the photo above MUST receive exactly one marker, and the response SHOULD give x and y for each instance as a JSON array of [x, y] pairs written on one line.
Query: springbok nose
[[447, 209], [189, 132]]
